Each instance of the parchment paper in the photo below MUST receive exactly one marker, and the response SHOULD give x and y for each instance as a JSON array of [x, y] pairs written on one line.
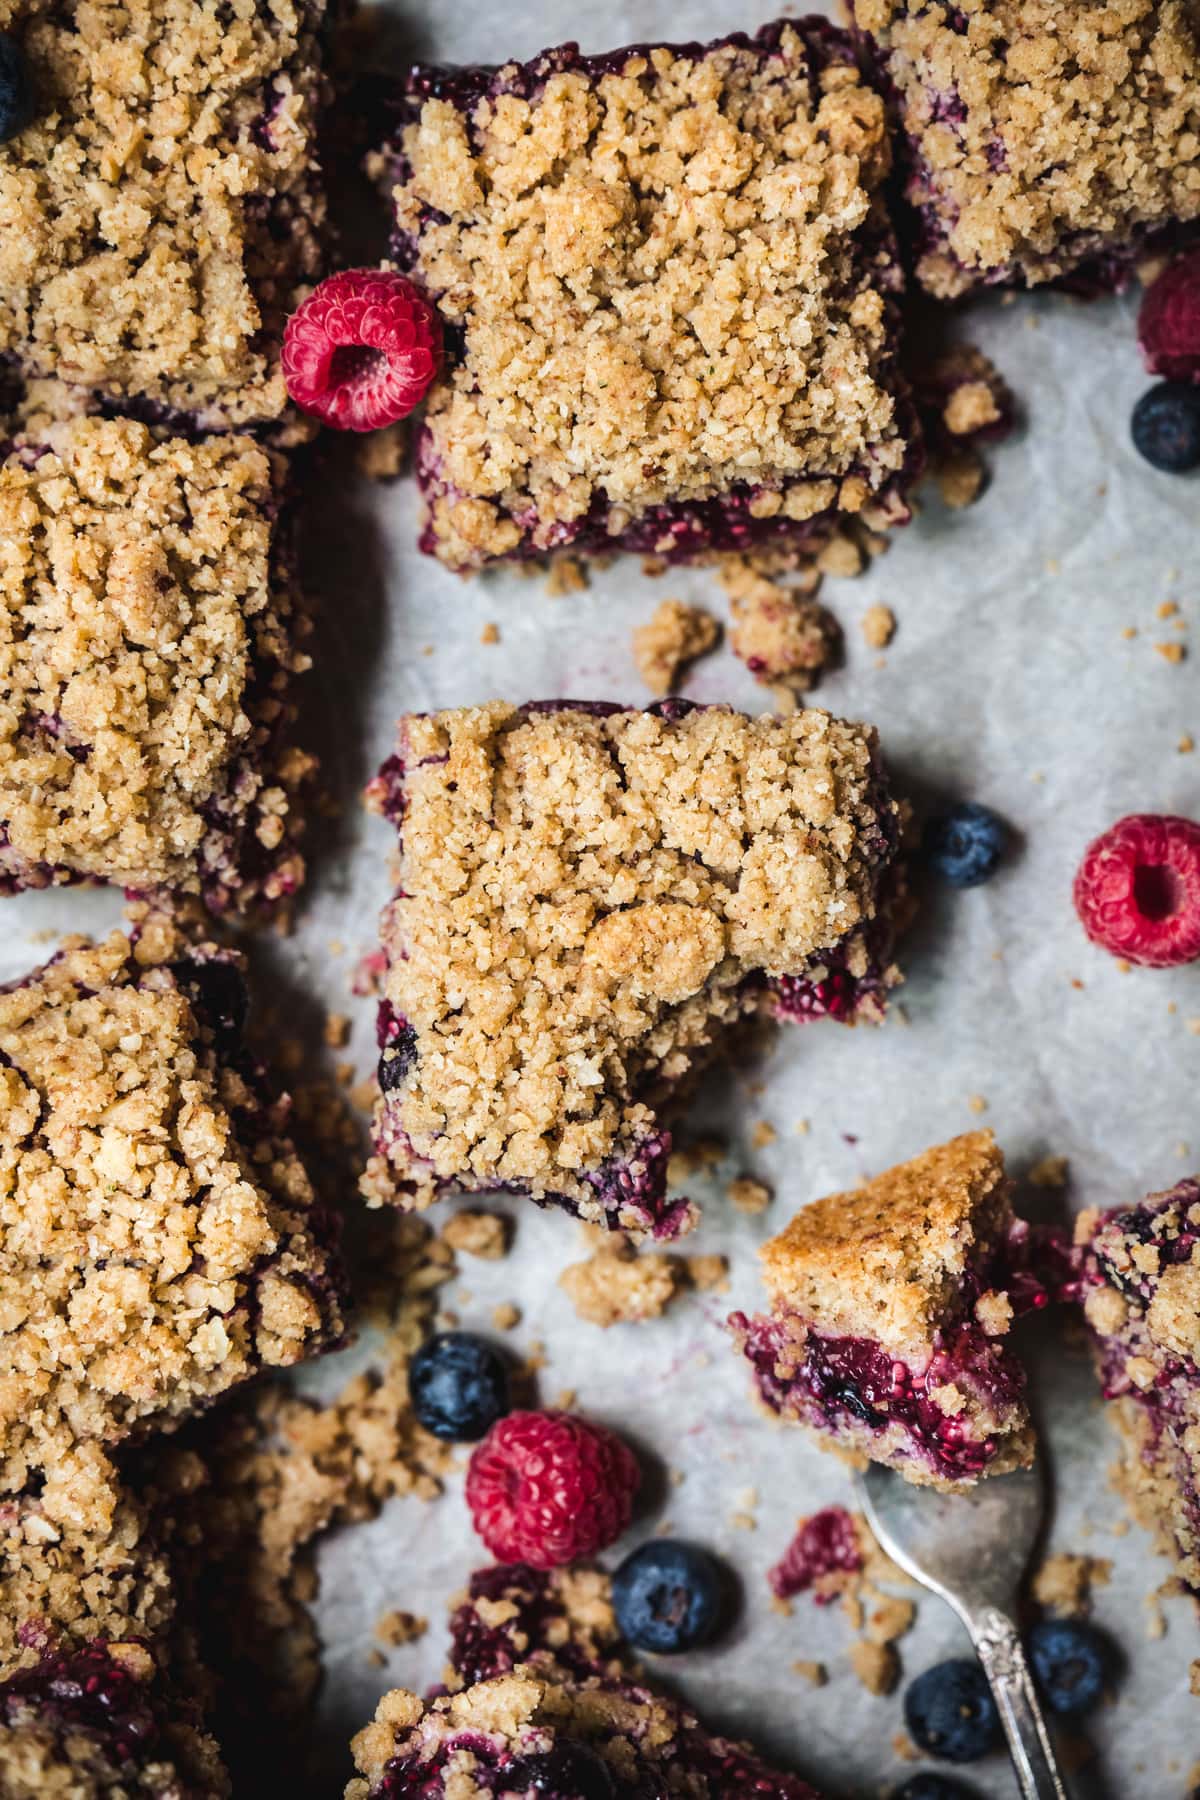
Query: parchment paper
[[1012, 679]]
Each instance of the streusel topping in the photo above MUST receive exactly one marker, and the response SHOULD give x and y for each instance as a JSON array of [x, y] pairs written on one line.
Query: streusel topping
[[143, 648], [156, 1243], [583, 895], [885, 1261], [1041, 133], [670, 279]]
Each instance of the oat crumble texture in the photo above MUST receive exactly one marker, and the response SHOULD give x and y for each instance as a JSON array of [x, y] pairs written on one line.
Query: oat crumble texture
[[161, 210], [889, 1306], [148, 644], [672, 277], [666, 644], [539, 1688], [587, 896], [1042, 141], [159, 1240]]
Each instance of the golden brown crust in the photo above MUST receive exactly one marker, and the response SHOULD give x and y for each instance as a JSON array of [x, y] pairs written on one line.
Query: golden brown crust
[[885, 1261], [1041, 133], [670, 282], [157, 1237], [582, 901], [146, 647], [158, 213]]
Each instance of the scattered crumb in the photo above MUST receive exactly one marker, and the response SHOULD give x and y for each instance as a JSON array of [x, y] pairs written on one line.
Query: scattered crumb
[[617, 1286], [741, 1521], [1129, 631], [565, 1401], [890, 1620], [764, 1133], [785, 637], [812, 1672], [692, 1159], [1064, 1583], [1166, 609], [1172, 653], [878, 626], [674, 638], [566, 575], [380, 454], [376, 1659], [482, 1234], [1193, 1025], [1186, 744], [747, 1196], [490, 633], [802, 1127], [977, 1103], [708, 1274], [506, 1316], [876, 1665], [960, 478], [1156, 1622], [904, 1748], [337, 1030], [840, 557], [396, 1628], [1050, 1172]]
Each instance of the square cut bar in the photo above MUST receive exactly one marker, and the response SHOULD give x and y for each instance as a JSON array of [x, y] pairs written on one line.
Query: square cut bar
[[542, 1699], [889, 1305], [163, 206], [1040, 141], [668, 281], [1141, 1294], [588, 895], [159, 1238], [148, 640]]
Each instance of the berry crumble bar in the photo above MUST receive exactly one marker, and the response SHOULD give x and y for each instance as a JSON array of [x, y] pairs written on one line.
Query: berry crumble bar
[[160, 211], [148, 640], [159, 1238], [588, 894], [889, 1306], [1040, 141], [668, 283], [541, 1701], [1141, 1295]]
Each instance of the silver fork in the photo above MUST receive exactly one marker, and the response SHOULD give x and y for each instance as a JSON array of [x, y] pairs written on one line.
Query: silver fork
[[973, 1549]]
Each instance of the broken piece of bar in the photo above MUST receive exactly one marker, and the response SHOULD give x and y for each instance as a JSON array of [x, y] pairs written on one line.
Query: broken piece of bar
[[1140, 1283], [889, 1307], [1040, 142], [543, 1700], [148, 641], [669, 284], [159, 1237], [588, 896], [164, 202]]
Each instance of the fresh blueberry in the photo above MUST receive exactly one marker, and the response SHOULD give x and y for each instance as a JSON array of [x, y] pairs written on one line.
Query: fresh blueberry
[[950, 1712], [458, 1386], [1166, 427], [568, 1772], [965, 844], [16, 91], [1068, 1664], [931, 1787], [668, 1596]]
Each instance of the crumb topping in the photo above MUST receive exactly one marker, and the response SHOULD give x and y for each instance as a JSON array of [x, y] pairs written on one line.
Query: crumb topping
[[155, 1235], [615, 1286], [676, 636], [584, 896], [1041, 134], [783, 634], [670, 279], [886, 1261], [145, 647], [161, 208]]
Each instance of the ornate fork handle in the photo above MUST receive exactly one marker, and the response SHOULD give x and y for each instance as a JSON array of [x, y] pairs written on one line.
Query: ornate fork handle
[[999, 1649]]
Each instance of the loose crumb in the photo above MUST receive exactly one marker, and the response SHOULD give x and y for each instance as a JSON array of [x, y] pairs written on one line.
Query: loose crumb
[[490, 633], [747, 1196], [694, 1159], [977, 1103], [813, 1672], [337, 1031], [669, 642], [960, 478], [506, 1316], [1064, 1582], [396, 1628], [1186, 744], [764, 1133], [878, 626], [876, 1665], [1172, 653], [708, 1274], [616, 1286], [380, 454], [482, 1234], [1050, 1172], [904, 1748], [785, 637], [566, 575]]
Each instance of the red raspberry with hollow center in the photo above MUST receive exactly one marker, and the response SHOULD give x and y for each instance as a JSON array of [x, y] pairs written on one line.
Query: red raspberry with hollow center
[[1169, 321], [362, 350], [1138, 890], [546, 1487]]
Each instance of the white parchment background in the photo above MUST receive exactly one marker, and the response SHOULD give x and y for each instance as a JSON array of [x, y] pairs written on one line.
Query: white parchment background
[[1011, 681]]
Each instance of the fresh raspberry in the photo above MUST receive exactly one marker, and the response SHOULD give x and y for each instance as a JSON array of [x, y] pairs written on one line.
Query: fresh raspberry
[[1138, 890], [1169, 321], [362, 350], [546, 1487]]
